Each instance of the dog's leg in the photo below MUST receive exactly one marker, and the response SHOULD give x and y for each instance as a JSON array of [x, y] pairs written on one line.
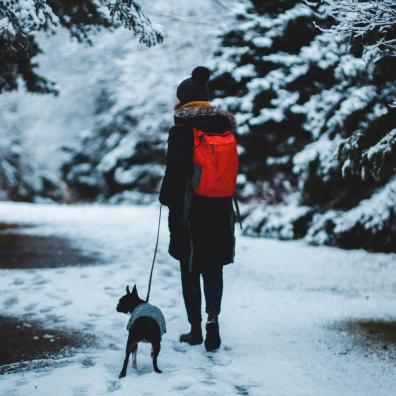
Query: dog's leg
[[154, 354], [134, 354], [129, 347]]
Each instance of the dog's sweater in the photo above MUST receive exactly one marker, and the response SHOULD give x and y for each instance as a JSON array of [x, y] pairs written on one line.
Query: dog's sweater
[[150, 311]]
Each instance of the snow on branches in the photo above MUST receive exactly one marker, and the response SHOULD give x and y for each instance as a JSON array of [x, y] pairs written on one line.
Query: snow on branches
[[20, 19], [369, 24], [130, 15]]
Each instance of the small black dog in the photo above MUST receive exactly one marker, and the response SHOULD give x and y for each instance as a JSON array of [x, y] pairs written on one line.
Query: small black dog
[[147, 324]]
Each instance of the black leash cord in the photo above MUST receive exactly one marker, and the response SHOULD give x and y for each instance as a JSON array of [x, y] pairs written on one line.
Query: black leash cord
[[155, 254]]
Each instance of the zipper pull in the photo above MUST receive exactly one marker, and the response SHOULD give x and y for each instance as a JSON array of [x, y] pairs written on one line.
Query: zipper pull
[[212, 149]]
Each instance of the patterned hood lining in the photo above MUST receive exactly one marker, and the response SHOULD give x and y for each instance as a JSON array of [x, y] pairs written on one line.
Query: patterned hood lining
[[195, 112]]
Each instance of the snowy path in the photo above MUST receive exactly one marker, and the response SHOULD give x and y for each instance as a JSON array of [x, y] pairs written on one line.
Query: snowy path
[[283, 303]]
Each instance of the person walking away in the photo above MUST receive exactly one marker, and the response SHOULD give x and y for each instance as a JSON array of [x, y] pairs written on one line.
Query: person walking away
[[200, 201]]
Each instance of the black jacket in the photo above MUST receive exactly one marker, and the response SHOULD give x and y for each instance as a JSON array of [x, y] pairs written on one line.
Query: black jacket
[[200, 228]]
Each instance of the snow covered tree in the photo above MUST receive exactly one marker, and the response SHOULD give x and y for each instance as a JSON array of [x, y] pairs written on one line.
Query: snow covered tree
[[264, 70], [120, 159], [121, 156], [316, 126], [20, 179], [21, 19], [369, 25]]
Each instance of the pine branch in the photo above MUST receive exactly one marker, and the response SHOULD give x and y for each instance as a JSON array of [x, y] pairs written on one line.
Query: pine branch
[[82, 18], [130, 15], [370, 22]]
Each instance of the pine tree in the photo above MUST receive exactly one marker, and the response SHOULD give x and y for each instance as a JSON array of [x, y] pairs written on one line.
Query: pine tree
[[264, 76], [316, 130], [20, 179], [316, 125], [121, 156], [20, 20], [369, 25]]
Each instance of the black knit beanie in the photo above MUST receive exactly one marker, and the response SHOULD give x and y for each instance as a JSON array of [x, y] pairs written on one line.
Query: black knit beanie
[[196, 87]]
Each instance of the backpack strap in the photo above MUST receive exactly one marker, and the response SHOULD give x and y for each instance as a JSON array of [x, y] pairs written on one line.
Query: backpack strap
[[187, 191], [181, 126], [238, 214]]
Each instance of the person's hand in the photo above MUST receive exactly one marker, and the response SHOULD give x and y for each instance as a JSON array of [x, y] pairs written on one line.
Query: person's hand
[[162, 200]]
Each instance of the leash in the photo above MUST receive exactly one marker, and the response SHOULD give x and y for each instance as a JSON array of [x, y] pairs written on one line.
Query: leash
[[155, 254]]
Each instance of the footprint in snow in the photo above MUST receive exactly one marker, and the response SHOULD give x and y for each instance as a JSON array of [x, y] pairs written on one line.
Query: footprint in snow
[[111, 292], [10, 301], [208, 377], [181, 387], [114, 347], [87, 362], [170, 303], [54, 296], [166, 272], [46, 309], [38, 281], [242, 390], [80, 391], [55, 318], [28, 316], [171, 318], [179, 347], [113, 386], [88, 326], [221, 357], [30, 307]]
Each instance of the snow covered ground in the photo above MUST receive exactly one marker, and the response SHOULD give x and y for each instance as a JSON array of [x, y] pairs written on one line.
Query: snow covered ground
[[286, 313]]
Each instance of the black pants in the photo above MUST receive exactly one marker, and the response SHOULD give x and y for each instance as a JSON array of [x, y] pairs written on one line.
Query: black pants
[[191, 285]]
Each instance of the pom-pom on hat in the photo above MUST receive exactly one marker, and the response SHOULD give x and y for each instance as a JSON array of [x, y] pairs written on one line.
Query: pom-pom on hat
[[196, 87]]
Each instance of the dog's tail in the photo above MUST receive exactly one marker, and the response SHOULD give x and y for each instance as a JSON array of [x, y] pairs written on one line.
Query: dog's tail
[[156, 350]]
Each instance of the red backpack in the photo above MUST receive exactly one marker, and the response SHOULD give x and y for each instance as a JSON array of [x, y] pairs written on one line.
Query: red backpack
[[215, 164]]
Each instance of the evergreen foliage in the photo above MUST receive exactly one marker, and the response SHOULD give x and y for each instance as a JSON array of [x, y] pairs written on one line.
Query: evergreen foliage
[[316, 127], [21, 19], [316, 123], [20, 179], [369, 25]]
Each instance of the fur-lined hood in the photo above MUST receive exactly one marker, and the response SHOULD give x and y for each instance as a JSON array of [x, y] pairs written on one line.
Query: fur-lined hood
[[212, 117]]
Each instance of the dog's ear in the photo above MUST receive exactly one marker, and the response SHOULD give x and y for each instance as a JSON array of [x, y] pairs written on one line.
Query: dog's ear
[[127, 290], [134, 291]]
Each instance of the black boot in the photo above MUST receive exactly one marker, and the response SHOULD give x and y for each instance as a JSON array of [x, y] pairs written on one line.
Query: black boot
[[212, 340], [194, 337]]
